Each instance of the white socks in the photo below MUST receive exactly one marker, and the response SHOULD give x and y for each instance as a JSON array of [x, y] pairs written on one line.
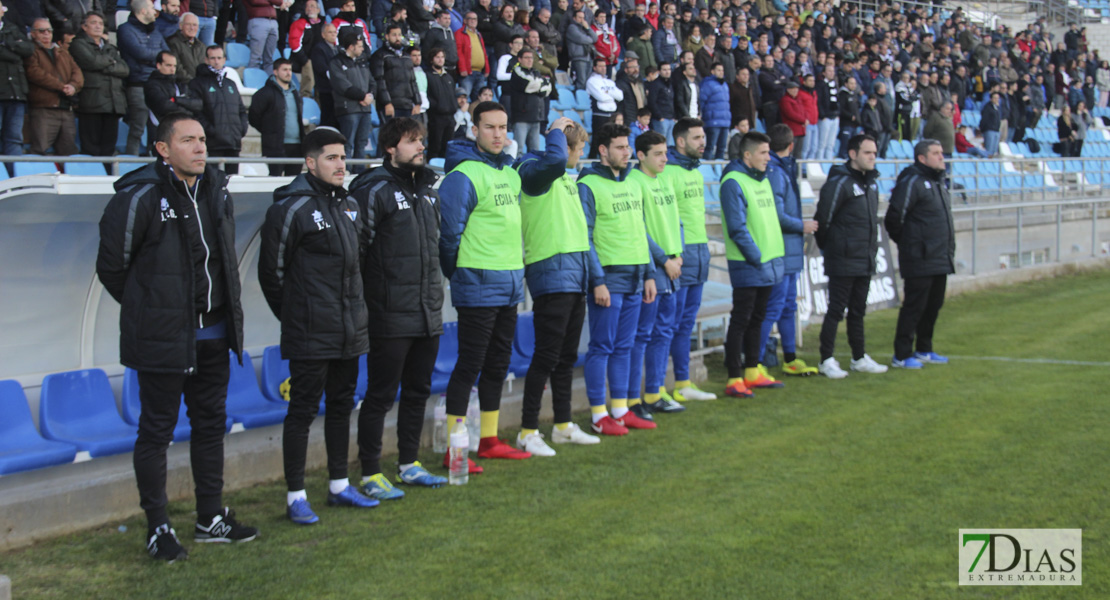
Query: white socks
[[291, 497], [336, 486], [405, 467]]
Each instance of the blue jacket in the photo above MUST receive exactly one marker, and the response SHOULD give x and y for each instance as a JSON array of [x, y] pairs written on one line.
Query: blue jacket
[[471, 287], [783, 173], [562, 273], [140, 44], [695, 257], [664, 52], [714, 100], [752, 271], [620, 279]]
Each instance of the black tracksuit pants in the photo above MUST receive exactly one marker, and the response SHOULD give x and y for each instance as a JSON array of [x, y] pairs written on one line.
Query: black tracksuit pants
[[850, 293], [745, 324], [205, 399], [558, 321], [485, 347], [336, 379], [921, 302], [404, 362]]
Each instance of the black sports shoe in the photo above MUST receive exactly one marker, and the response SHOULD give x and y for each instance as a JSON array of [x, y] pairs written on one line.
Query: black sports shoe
[[163, 545], [641, 410], [223, 528], [666, 406]]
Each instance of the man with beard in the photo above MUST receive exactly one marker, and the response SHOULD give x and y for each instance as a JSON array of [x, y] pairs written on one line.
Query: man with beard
[[391, 67]]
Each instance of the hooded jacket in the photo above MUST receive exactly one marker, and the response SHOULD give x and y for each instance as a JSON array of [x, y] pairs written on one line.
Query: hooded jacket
[[753, 271], [919, 220], [848, 222], [782, 171], [309, 270], [565, 272], [170, 277], [401, 279], [471, 287], [224, 116], [619, 279], [105, 75]]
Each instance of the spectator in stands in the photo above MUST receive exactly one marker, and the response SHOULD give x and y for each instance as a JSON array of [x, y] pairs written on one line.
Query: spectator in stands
[[605, 97], [353, 88], [441, 105], [103, 99], [641, 124], [153, 262], [392, 72], [989, 122], [737, 135], [631, 85], [687, 92], [223, 116], [782, 304], [547, 61], [849, 100], [743, 97], [907, 106], [1083, 122], [528, 92], [504, 30], [398, 15], [14, 49], [580, 40], [164, 95], [421, 77], [919, 220], [504, 69], [169, 18], [440, 37], [464, 124], [641, 45], [607, 45], [713, 98], [139, 44], [706, 56], [207, 12], [326, 48], [68, 15], [276, 111], [348, 17], [964, 145], [487, 14], [660, 95], [303, 35], [473, 60], [310, 258], [54, 80], [187, 46], [448, 6], [941, 128], [665, 41], [542, 24], [262, 31], [848, 235], [772, 87], [420, 16], [794, 112]]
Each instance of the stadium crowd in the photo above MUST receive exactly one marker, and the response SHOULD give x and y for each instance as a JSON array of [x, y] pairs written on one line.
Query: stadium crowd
[[905, 71]]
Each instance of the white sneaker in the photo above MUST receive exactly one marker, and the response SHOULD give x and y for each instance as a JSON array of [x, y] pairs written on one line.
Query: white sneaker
[[692, 392], [831, 368], [533, 442], [573, 435], [867, 365]]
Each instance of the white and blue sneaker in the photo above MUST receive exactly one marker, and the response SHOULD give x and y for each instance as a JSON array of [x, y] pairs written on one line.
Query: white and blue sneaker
[[418, 475], [351, 497], [908, 363], [300, 512], [378, 487], [931, 358]]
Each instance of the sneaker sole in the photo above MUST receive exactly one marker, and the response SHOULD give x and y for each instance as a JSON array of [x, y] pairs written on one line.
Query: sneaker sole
[[905, 367], [587, 443], [223, 540]]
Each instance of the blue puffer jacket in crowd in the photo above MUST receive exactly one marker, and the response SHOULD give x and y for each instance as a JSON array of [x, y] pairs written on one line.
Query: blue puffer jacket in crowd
[[782, 171], [619, 279], [140, 44], [752, 271], [471, 287], [714, 100], [695, 257], [562, 273]]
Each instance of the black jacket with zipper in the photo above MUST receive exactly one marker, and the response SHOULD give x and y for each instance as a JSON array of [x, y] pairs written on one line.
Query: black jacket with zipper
[[401, 276], [848, 222], [169, 275], [919, 220], [267, 115], [312, 241]]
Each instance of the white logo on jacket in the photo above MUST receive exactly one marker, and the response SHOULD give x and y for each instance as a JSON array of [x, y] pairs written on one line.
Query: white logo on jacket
[[167, 212], [402, 203], [318, 218]]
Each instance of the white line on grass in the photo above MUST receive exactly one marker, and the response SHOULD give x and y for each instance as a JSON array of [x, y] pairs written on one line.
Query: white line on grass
[[1041, 361]]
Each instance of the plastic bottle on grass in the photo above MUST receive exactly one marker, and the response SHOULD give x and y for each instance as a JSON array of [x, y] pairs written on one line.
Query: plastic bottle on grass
[[439, 432], [458, 461], [474, 419]]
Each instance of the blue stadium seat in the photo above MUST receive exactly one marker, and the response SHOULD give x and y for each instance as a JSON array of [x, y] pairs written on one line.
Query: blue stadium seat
[[895, 150], [3, 174], [437, 163], [78, 407], [132, 407], [275, 370], [990, 168], [708, 173], [524, 344], [565, 99], [588, 121], [21, 446], [447, 357], [238, 55], [964, 168], [254, 77], [311, 111], [886, 186], [1035, 182], [286, 53], [127, 167], [245, 402], [84, 168], [581, 100], [35, 168], [552, 115], [1011, 182]]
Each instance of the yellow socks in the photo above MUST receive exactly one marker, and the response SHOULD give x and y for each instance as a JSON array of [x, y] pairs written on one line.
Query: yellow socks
[[633, 402], [598, 413], [651, 398], [527, 432], [751, 374], [732, 380], [562, 426], [685, 383], [451, 419], [489, 423], [620, 407]]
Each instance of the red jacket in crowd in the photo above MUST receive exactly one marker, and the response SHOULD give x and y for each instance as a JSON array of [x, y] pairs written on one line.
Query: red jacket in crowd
[[462, 43], [796, 110]]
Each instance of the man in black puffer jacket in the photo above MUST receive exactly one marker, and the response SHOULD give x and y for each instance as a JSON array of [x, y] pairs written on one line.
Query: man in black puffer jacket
[[167, 255], [224, 115], [404, 294], [391, 66], [309, 272], [848, 235], [919, 220]]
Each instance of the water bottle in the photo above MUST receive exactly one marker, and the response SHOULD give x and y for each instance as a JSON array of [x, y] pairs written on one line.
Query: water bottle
[[474, 419], [459, 465], [439, 432]]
